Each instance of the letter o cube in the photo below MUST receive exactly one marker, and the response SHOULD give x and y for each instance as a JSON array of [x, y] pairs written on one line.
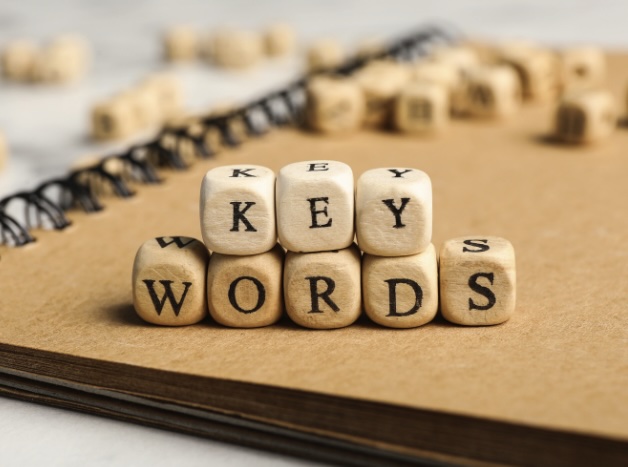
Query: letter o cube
[[315, 206], [394, 211], [246, 291], [322, 290], [169, 281], [477, 280], [586, 117], [401, 292], [238, 209]]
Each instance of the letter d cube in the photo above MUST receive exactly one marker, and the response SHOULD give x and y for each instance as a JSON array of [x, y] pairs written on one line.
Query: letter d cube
[[477, 280]]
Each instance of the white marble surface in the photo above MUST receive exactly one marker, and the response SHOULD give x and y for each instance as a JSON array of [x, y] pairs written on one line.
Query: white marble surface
[[47, 130]]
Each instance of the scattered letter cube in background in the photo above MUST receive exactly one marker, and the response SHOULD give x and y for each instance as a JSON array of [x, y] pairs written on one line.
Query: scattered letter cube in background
[[461, 58], [279, 40], [324, 54], [477, 280], [113, 119], [582, 68], [493, 92], [394, 211], [246, 291], [234, 49], [586, 117], [315, 206], [169, 281], [168, 93], [181, 44], [334, 105], [422, 108], [238, 209], [322, 290], [401, 292], [18, 60]]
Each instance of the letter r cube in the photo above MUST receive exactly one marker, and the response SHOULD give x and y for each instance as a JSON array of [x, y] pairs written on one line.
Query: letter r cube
[[477, 280], [238, 210], [394, 211], [315, 206]]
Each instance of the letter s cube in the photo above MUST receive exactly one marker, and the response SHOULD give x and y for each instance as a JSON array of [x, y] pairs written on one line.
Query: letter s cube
[[169, 281], [477, 280], [238, 210]]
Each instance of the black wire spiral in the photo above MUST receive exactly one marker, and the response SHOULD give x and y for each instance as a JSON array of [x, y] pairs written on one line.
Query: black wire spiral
[[45, 206]]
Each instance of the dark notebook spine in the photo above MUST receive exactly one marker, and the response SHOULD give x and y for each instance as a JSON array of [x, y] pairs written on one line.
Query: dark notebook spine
[[46, 205]]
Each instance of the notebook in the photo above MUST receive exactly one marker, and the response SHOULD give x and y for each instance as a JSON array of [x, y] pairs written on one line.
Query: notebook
[[550, 386]]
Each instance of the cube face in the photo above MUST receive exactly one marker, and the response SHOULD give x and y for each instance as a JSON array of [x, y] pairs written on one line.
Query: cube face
[[113, 119], [582, 68], [167, 92], [381, 82], [322, 290], [324, 54], [401, 292], [536, 68], [18, 59], [493, 92], [315, 206], [334, 106], [394, 211], [169, 281], [279, 39], [477, 280], [237, 209], [422, 108], [246, 292], [181, 44], [586, 117]]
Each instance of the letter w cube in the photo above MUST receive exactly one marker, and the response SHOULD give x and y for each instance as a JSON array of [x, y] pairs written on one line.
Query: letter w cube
[[238, 210]]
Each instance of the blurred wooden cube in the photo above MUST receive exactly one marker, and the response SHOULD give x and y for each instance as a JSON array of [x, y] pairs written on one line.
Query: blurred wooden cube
[[279, 40], [582, 68], [422, 108], [168, 93], [334, 105], [586, 117], [18, 60], [234, 49], [324, 55], [246, 291], [181, 44], [113, 119], [323, 290], [381, 82], [446, 75], [493, 92]]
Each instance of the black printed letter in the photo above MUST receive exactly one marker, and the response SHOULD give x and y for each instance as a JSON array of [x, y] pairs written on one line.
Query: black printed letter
[[392, 296], [399, 173], [315, 213], [390, 203], [315, 294], [318, 167], [481, 245], [485, 291], [242, 173], [159, 303], [176, 240], [261, 294], [239, 216]]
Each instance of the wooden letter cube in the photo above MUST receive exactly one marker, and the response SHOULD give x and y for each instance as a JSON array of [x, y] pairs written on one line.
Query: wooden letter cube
[[322, 290], [18, 60], [493, 92], [65, 60], [113, 119], [535, 67], [582, 68], [394, 211], [235, 49], [168, 93], [169, 278], [246, 291], [401, 292], [422, 108], [461, 58], [279, 39], [477, 280], [238, 209], [315, 206], [324, 54], [381, 82], [334, 105], [586, 117], [181, 44]]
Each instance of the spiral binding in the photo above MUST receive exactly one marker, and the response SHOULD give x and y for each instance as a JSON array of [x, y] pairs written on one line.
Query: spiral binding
[[45, 206]]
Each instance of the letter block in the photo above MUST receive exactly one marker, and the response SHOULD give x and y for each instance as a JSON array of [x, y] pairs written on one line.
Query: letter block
[[582, 68], [322, 290], [113, 119], [586, 117], [401, 292], [235, 49], [334, 105], [394, 211], [493, 91], [246, 291], [181, 43], [238, 209], [477, 280], [324, 54], [18, 60], [315, 206], [536, 68], [422, 108], [279, 40], [169, 281]]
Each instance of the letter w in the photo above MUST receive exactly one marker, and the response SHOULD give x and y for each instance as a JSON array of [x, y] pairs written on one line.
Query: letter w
[[168, 295]]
